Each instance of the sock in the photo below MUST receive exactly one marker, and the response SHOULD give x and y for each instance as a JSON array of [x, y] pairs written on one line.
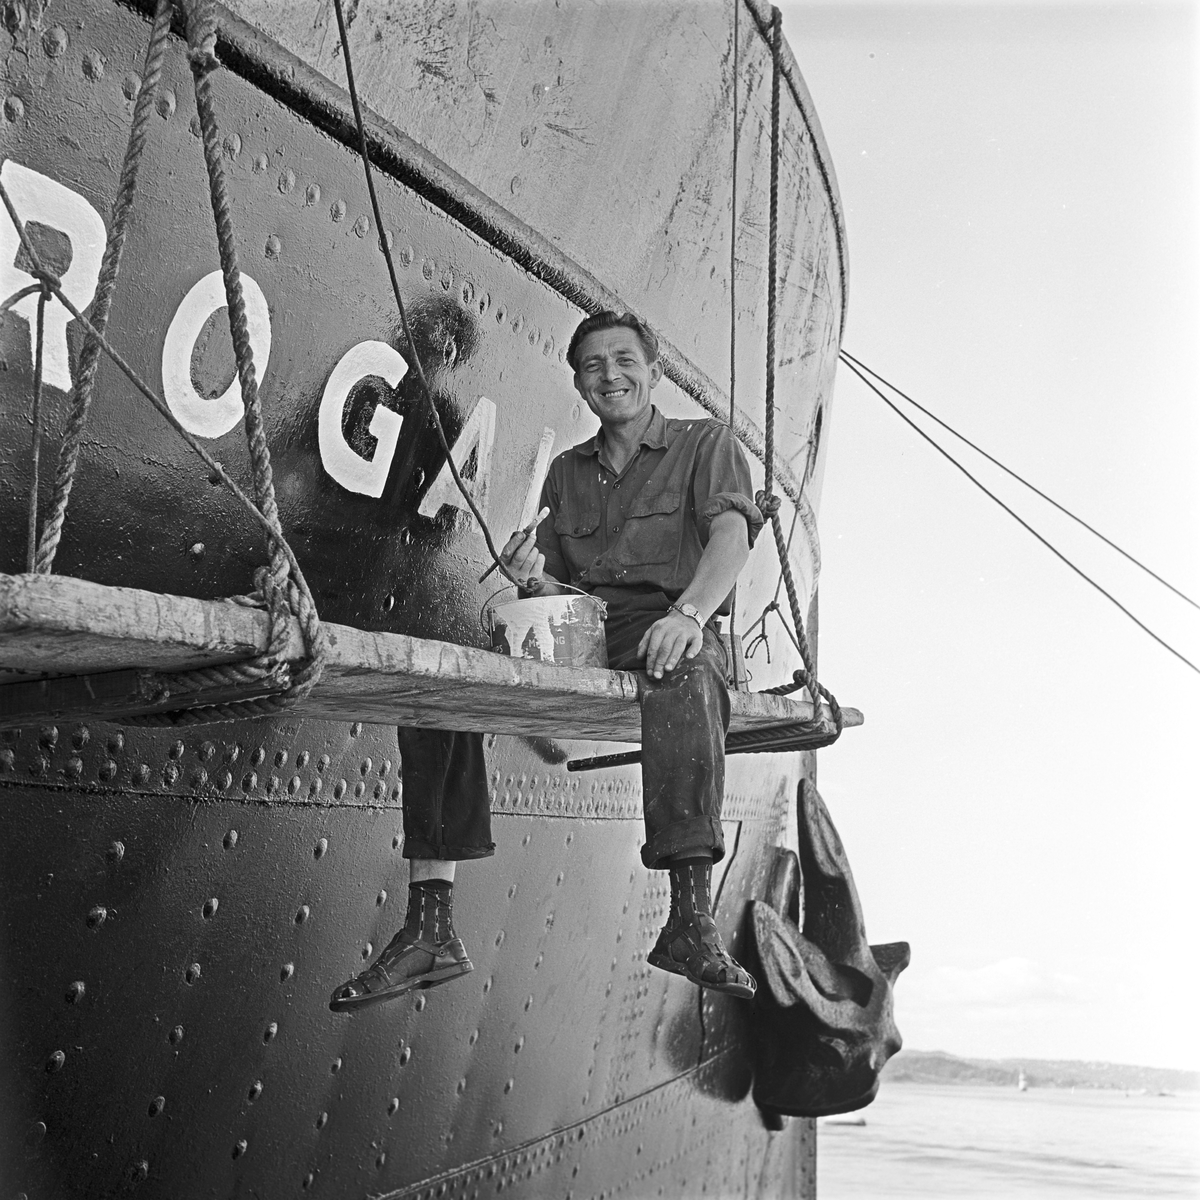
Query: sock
[[690, 881], [430, 910]]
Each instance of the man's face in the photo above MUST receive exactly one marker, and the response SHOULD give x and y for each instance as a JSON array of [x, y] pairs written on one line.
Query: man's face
[[614, 377]]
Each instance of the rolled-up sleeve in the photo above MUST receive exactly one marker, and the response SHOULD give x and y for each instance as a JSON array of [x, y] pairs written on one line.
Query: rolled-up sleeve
[[722, 481]]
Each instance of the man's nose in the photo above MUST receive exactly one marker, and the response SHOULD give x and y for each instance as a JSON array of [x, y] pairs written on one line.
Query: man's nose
[[610, 368]]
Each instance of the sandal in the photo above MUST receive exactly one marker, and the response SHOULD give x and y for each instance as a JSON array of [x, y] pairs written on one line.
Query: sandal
[[405, 964], [697, 952]]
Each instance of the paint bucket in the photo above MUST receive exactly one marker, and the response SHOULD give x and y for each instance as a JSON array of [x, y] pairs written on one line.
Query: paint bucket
[[565, 630]]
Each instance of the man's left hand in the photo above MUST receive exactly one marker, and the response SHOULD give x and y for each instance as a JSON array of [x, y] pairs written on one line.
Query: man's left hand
[[668, 641]]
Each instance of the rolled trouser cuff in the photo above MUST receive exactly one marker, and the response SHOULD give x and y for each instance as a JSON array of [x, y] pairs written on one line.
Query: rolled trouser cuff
[[691, 834], [414, 848]]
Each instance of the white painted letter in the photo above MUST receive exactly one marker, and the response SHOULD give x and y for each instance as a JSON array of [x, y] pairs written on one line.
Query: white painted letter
[[211, 418], [478, 434], [344, 464], [39, 198]]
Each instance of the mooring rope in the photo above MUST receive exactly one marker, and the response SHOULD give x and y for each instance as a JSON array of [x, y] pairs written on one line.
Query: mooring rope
[[767, 501], [35, 450]]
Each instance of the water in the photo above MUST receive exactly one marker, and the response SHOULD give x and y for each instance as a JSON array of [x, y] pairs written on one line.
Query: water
[[943, 1142]]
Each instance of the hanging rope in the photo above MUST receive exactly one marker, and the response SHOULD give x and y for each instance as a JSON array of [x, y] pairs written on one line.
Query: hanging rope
[[281, 587], [106, 283], [766, 500], [35, 451], [426, 391]]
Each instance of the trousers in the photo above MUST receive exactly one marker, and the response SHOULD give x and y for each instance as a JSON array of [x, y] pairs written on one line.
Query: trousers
[[685, 717]]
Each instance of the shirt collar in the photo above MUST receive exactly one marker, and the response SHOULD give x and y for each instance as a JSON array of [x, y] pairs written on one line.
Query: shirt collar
[[655, 437]]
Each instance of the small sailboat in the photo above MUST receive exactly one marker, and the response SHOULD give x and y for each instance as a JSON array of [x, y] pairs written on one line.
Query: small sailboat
[[1022, 1082]]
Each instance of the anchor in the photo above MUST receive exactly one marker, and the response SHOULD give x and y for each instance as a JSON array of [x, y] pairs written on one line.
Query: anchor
[[823, 1022]]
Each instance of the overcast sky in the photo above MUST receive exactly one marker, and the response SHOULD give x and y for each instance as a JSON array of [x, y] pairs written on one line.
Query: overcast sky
[[1020, 191]]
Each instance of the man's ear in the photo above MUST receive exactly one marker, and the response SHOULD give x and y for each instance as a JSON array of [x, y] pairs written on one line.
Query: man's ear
[[578, 385], [656, 371]]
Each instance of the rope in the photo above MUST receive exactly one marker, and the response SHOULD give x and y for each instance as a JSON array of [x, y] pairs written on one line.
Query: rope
[[426, 392], [733, 229], [281, 588], [110, 266], [766, 500], [35, 451]]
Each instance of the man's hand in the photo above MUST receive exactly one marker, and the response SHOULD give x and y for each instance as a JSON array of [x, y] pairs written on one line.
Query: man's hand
[[668, 641], [523, 560]]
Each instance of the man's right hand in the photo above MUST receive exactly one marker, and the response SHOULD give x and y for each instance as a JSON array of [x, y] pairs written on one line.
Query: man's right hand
[[523, 560]]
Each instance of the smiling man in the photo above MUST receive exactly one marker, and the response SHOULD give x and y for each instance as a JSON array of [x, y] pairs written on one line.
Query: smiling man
[[655, 517]]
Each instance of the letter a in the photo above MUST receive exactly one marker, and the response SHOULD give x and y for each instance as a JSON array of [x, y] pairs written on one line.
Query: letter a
[[478, 434]]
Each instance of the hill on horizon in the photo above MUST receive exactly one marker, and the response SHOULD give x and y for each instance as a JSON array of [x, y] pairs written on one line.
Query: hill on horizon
[[936, 1066]]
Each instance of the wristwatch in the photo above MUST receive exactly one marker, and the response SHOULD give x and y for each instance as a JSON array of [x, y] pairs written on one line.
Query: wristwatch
[[689, 610]]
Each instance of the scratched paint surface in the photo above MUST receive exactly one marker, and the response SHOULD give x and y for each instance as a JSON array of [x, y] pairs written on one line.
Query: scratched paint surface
[[549, 918]]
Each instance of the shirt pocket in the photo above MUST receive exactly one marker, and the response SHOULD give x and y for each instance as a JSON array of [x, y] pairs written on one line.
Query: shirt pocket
[[652, 529], [579, 535]]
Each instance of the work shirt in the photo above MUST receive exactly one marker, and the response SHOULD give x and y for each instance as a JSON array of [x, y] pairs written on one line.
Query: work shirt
[[645, 528]]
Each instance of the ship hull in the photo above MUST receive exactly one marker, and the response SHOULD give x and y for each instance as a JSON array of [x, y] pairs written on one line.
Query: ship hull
[[178, 905]]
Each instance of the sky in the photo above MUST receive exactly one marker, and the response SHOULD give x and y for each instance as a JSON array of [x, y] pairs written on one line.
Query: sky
[[1020, 189]]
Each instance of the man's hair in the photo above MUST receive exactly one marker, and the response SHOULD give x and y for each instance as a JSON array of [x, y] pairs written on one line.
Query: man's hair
[[612, 320]]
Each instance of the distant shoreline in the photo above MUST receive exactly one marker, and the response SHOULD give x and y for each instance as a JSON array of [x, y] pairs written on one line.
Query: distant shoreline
[[935, 1066]]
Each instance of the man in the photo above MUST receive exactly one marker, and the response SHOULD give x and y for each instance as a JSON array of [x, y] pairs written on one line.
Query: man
[[654, 517]]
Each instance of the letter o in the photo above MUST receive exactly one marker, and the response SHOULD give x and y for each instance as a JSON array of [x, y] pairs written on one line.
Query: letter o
[[211, 418]]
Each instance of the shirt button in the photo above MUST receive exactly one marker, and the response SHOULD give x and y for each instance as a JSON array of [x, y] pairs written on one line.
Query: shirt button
[[616, 528]]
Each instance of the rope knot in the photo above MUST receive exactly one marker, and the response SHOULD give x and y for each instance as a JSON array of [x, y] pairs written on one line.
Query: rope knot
[[768, 504]]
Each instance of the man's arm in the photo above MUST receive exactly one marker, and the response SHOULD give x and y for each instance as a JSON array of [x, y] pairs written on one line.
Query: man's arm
[[675, 636]]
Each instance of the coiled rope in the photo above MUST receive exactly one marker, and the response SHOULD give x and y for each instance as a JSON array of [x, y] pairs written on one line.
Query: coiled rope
[[767, 501], [281, 587]]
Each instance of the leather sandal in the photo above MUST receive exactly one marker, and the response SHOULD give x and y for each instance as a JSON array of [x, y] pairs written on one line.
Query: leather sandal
[[405, 964], [697, 952]]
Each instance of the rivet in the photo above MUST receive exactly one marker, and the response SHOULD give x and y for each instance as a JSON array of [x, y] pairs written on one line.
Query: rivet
[[314, 787], [487, 987], [517, 1047], [194, 127], [320, 848], [48, 736], [176, 1035], [381, 899], [388, 238], [157, 1105], [233, 752], [393, 1105], [75, 991], [462, 1086], [274, 247], [210, 908], [97, 916], [249, 782], [525, 840], [378, 790], [271, 1030], [405, 1055], [312, 195], [473, 1038], [254, 1091], [339, 789], [537, 962], [130, 86], [467, 294], [396, 843], [170, 774], [322, 1120], [165, 104], [323, 762], [260, 164], [74, 767], [214, 476], [420, 1004], [286, 972], [56, 1061], [447, 280], [508, 1087], [7, 758], [293, 785], [534, 334], [54, 41], [115, 852], [273, 785], [335, 1066], [307, 1181], [80, 737], [528, 1003], [302, 914], [232, 145], [362, 226], [356, 729], [389, 602], [192, 973], [139, 1172], [287, 181], [359, 789], [365, 767], [141, 773], [239, 1147], [499, 1129], [366, 951], [302, 759], [570, 838], [515, 185], [500, 938], [427, 268], [337, 210], [559, 880], [196, 550], [199, 777], [230, 839], [381, 1160]]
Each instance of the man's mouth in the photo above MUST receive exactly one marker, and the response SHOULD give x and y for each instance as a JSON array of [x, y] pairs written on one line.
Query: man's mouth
[[614, 393]]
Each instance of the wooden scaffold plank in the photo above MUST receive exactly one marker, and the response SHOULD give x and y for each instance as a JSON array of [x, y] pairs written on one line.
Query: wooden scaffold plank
[[101, 636]]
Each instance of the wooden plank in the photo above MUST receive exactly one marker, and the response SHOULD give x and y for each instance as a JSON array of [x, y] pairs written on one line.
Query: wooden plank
[[58, 625]]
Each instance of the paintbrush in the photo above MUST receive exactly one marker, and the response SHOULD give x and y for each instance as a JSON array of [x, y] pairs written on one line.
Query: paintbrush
[[524, 533]]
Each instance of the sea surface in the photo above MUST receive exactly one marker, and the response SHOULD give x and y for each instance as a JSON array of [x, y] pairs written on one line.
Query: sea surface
[[944, 1142]]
